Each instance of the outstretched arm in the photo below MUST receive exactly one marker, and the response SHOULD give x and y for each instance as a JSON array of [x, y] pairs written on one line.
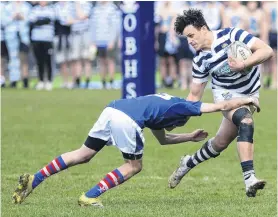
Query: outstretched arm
[[167, 138], [229, 104]]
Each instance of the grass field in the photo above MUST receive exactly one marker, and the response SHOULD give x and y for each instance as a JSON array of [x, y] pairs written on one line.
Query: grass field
[[38, 126]]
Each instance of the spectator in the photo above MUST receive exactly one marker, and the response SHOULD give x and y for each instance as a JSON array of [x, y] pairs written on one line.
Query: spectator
[[42, 34], [4, 51], [256, 20], [165, 14], [270, 9], [62, 43], [235, 15], [80, 40], [213, 13], [257, 27], [17, 40], [105, 30], [185, 55]]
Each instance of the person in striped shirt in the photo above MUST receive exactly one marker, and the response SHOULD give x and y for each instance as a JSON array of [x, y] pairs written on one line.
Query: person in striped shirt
[[80, 12], [17, 40], [105, 32], [42, 18], [227, 82]]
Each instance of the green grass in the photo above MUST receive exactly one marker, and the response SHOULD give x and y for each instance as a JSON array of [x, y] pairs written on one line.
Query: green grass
[[38, 126]]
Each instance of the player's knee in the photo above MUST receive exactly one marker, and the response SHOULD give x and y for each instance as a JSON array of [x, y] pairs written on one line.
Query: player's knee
[[242, 115], [242, 118], [247, 121], [136, 166]]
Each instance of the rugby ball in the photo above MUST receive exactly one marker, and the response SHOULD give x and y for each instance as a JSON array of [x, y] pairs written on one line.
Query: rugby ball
[[240, 51]]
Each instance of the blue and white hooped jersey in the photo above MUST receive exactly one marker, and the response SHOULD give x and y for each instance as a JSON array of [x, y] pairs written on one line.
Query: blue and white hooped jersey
[[86, 8], [43, 32], [105, 24], [215, 62], [158, 111]]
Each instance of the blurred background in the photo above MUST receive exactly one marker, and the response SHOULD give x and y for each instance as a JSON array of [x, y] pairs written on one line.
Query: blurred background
[[46, 45]]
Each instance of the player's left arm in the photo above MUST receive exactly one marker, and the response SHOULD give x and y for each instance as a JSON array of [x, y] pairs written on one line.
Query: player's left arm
[[261, 52], [169, 138]]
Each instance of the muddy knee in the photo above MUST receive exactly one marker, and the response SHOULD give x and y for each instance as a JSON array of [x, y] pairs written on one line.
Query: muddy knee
[[242, 118]]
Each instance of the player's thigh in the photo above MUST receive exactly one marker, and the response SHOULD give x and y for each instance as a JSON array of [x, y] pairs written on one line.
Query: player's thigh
[[101, 129], [126, 135], [226, 133]]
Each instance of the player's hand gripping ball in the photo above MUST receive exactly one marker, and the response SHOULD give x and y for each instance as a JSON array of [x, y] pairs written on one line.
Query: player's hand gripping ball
[[238, 52]]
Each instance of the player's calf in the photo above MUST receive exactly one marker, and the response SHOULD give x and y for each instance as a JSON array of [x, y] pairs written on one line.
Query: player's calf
[[116, 177], [242, 118]]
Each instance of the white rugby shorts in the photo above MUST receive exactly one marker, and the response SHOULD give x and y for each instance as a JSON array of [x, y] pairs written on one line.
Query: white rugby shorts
[[220, 95], [120, 130]]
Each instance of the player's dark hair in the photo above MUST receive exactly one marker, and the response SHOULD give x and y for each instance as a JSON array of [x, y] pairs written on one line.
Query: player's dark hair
[[192, 17]]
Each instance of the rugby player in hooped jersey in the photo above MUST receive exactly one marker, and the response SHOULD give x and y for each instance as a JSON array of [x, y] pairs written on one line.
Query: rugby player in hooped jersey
[[227, 83], [121, 124]]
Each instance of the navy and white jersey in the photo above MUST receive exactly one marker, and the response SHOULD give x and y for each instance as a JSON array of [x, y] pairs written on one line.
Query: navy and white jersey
[[105, 23], [42, 18], [214, 62], [158, 111], [62, 12], [80, 7], [12, 8], [3, 19]]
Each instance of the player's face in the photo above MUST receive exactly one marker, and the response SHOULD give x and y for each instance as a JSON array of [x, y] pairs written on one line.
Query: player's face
[[196, 37]]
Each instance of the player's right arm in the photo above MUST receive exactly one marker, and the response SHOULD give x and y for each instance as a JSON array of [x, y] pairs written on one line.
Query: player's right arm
[[199, 80], [229, 104], [170, 138], [196, 91]]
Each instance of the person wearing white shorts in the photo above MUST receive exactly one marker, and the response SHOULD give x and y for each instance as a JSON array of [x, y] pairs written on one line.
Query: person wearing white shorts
[[80, 41], [119, 130], [230, 80], [121, 124], [62, 45]]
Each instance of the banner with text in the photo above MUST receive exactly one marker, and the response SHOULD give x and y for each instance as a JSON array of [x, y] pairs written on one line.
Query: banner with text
[[138, 54]]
